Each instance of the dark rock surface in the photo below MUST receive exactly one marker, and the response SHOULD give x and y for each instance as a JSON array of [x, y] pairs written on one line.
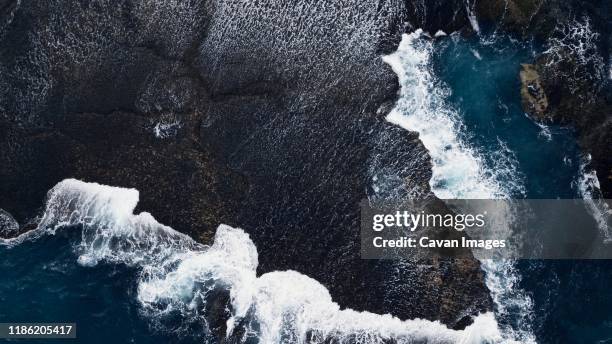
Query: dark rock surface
[[259, 114], [434, 15]]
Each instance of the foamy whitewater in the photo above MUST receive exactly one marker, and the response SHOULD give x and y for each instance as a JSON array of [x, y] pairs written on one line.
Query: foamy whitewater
[[459, 171], [177, 273], [588, 187]]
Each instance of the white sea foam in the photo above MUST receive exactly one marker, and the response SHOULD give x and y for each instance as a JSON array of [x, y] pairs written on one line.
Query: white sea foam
[[110, 230], [168, 126], [8, 224], [545, 132], [178, 274], [469, 7], [476, 54], [588, 187], [577, 41], [459, 171]]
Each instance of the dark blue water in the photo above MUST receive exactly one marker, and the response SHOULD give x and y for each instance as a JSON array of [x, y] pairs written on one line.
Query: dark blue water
[[40, 281], [572, 300]]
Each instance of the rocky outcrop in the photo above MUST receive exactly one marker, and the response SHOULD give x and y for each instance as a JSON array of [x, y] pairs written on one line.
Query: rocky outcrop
[[434, 15], [582, 105], [511, 15], [533, 96], [264, 115], [576, 80]]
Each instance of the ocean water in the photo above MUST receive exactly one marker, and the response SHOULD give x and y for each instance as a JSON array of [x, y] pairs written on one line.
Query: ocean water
[[42, 282], [125, 278], [558, 301]]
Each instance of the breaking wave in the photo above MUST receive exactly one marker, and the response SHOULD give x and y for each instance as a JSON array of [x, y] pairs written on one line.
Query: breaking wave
[[588, 187], [471, 13], [460, 171], [178, 274]]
